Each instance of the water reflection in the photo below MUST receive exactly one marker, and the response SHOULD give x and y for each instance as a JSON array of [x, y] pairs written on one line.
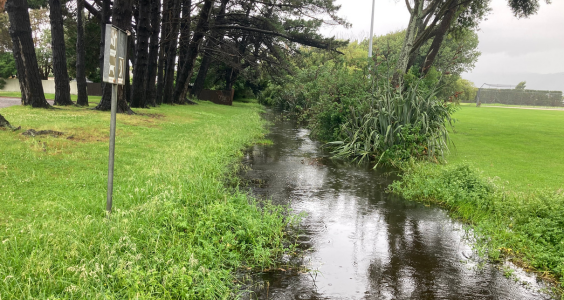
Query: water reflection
[[365, 243]]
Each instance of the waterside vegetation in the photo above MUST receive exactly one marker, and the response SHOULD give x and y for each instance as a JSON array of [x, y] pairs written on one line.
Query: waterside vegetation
[[176, 231]]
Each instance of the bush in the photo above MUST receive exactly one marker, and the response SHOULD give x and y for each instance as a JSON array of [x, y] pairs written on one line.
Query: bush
[[528, 227], [396, 124]]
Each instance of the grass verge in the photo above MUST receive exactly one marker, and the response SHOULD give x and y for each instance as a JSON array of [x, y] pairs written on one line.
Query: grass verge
[[176, 231]]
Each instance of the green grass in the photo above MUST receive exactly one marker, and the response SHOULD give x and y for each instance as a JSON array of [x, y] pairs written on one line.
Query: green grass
[[524, 148], [92, 99], [176, 230]]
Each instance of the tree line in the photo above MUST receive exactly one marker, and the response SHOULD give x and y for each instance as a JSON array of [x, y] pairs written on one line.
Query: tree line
[[172, 43]]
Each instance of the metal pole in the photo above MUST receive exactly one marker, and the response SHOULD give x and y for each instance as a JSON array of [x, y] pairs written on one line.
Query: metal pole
[[112, 148], [371, 30]]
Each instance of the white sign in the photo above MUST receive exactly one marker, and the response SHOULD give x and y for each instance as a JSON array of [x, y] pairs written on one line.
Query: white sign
[[115, 55]]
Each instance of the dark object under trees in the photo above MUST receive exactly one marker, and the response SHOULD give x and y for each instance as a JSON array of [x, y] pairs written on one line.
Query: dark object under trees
[[62, 85], [24, 54], [138, 89], [82, 97], [4, 122]]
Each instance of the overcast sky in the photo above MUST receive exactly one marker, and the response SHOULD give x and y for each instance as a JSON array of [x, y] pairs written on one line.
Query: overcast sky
[[508, 45]]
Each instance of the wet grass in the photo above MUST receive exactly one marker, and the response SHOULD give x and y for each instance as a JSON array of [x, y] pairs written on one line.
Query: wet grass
[[521, 147], [176, 230], [504, 178]]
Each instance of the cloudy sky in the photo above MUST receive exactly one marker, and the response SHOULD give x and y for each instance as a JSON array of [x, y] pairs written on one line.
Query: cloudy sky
[[508, 45]]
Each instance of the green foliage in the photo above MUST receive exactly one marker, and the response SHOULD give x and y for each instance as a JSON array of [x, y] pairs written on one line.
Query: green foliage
[[397, 124], [464, 90], [176, 231], [7, 65], [521, 85], [5, 39], [91, 47], [526, 227]]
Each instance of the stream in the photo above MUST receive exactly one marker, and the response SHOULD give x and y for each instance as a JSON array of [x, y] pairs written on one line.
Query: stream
[[363, 243]]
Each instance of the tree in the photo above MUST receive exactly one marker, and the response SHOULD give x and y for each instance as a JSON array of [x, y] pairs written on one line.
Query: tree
[[82, 97], [24, 54], [121, 18], [7, 65], [435, 19], [153, 52], [62, 85], [521, 85], [5, 40], [172, 14], [138, 94], [188, 67]]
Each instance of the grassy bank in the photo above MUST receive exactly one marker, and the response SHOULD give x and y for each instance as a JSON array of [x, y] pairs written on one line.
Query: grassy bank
[[176, 230], [505, 178]]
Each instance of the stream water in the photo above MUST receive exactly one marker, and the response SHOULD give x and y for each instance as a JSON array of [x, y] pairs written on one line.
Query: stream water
[[364, 243]]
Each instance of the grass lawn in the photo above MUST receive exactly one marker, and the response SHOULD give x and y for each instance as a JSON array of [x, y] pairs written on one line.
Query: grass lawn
[[176, 230], [92, 99], [524, 148]]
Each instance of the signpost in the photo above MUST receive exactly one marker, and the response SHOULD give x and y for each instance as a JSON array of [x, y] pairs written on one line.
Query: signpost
[[115, 55]]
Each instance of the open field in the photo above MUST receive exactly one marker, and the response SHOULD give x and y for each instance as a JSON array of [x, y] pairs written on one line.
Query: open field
[[176, 230], [524, 148]]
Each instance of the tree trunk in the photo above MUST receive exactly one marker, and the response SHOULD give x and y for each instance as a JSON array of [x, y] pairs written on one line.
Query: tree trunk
[[20, 32], [121, 18], [192, 53], [62, 85], [20, 71], [439, 37], [160, 77], [165, 41], [139, 87], [203, 71], [168, 88], [410, 33], [153, 52], [105, 103], [207, 58], [184, 33], [82, 98]]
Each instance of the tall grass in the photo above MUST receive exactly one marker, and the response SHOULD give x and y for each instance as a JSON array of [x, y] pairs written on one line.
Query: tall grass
[[176, 232]]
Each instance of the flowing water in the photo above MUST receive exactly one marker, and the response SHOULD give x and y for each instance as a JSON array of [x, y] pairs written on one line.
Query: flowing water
[[364, 243]]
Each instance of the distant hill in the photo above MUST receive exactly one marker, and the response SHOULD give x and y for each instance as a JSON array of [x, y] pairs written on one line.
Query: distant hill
[[552, 82]]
